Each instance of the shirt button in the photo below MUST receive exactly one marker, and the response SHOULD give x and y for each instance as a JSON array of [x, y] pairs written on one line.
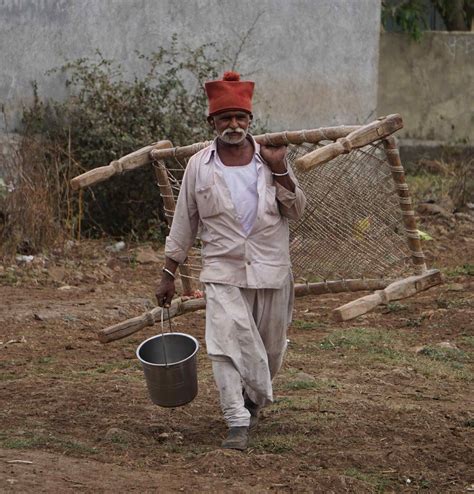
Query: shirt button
[[249, 263]]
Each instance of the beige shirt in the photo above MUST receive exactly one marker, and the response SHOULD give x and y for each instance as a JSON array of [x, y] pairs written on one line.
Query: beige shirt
[[260, 259]]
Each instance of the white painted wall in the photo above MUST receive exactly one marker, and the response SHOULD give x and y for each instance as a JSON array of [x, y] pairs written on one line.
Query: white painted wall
[[314, 61]]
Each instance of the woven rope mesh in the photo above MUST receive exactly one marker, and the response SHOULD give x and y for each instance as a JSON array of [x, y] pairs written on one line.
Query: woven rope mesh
[[352, 226]]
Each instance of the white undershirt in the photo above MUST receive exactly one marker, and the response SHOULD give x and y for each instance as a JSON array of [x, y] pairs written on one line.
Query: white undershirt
[[242, 183]]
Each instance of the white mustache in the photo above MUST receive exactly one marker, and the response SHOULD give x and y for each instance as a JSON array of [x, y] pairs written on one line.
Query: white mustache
[[231, 131]]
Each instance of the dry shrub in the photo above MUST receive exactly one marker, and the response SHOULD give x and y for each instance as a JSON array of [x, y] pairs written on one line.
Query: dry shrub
[[448, 183], [462, 187], [104, 117], [107, 116], [35, 192]]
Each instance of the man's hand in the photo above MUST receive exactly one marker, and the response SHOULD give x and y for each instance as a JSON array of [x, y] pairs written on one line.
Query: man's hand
[[165, 291], [274, 157]]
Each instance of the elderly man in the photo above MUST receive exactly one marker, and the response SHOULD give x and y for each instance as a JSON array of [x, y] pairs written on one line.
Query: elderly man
[[240, 195]]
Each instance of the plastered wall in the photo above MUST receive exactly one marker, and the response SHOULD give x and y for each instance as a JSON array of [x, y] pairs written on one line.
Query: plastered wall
[[431, 83], [314, 61]]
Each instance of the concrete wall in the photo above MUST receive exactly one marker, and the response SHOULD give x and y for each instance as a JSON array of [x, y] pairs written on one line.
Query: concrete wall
[[314, 61], [431, 83]]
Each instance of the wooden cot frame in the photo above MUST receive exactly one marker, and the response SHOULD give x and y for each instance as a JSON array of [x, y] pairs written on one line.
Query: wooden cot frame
[[345, 138]]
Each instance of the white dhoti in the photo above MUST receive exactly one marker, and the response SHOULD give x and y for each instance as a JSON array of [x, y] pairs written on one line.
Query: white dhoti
[[246, 340]]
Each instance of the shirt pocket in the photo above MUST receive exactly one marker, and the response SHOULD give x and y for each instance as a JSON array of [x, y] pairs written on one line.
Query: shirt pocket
[[271, 203], [208, 201]]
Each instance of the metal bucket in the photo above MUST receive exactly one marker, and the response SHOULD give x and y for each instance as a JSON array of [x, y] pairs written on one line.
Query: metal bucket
[[170, 368]]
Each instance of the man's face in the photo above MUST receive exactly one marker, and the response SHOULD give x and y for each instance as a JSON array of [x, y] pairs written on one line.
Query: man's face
[[231, 126]]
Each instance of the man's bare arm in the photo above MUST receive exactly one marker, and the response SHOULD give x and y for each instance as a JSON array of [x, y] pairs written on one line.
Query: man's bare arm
[[166, 289]]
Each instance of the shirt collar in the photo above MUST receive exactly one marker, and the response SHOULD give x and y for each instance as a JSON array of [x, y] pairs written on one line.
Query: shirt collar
[[209, 152]]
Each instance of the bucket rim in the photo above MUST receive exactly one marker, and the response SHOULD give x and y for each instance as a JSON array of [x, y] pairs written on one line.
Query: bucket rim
[[137, 352]]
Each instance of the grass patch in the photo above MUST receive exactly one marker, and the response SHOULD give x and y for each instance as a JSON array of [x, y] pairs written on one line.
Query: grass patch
[[378, 482], [445, 354], [307, 325], [458, 303], [294, 382], [370, 346], [414, 322], [281, 404], [366, 339], [396, 307], [45, 360], [365, 345], [275, 444], [296, 385], [443, 370], [296, 350], [294, 403], [8, 376], [34, 441], [444, 362], [8, 278], [463, 270], [467, 340]]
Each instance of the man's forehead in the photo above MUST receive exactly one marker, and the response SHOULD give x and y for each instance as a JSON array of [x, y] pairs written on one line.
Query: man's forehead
[[230, 114]]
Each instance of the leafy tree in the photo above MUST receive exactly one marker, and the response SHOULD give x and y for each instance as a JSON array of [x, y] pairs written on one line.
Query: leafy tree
[[456, 14], [410, 15]]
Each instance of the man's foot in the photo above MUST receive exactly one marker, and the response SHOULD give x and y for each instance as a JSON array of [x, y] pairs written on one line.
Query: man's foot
[[253, 422], [237, 438], [254, 410]]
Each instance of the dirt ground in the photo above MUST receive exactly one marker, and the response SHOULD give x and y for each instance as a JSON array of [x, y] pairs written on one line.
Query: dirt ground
[[383, 403]]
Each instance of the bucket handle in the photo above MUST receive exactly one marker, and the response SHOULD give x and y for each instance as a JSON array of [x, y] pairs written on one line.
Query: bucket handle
[[162, 332]]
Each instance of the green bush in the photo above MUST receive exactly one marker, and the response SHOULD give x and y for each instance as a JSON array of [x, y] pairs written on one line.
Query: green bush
[[107, 116]]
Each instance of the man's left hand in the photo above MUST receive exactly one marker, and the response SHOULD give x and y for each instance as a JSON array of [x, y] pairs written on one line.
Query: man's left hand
[[274, 157]]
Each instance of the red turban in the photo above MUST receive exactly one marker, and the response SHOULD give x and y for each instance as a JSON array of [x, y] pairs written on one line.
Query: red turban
[[229, 94]]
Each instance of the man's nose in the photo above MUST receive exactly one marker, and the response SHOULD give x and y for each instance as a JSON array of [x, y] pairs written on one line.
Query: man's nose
[[233, 123]]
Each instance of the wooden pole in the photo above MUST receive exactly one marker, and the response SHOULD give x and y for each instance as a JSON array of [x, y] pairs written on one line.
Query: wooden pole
[[183, 305], [126, 328], [361, 137], [409, 220], [126, 163], [395, 291], [340, 286], [159, 151], [166, 193], [275, 139]]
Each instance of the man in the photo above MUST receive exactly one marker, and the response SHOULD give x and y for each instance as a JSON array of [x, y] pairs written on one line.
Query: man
[[240, 195]]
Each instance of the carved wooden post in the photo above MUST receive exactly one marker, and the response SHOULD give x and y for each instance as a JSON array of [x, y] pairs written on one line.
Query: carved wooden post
[[124, 164], [169, 205], [359, 138], [409, 221]]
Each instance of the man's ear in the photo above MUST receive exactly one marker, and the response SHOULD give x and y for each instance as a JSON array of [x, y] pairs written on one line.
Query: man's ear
[[210, 121]]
